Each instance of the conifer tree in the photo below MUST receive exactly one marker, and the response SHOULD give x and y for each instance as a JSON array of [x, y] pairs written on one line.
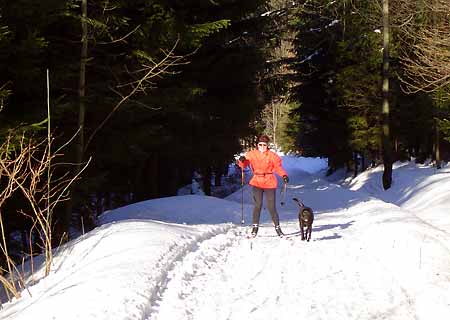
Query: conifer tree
[[386, 136], [323, 130]]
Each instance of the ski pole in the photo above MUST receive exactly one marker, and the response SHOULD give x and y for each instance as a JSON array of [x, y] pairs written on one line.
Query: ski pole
[[242, 196], [283, 193]]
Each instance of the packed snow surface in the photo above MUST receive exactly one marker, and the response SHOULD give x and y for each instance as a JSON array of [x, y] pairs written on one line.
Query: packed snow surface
[[374, 254]]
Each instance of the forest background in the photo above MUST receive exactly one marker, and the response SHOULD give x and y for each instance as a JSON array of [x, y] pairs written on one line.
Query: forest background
[[144, 93]]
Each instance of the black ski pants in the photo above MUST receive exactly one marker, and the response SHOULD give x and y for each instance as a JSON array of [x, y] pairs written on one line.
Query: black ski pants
[[270, 202]]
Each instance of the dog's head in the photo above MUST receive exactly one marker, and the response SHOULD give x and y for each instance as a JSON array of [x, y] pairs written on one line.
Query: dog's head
[[306, 215]]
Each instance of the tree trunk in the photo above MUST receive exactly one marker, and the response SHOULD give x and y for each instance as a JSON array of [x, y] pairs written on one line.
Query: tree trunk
[[99, 203], [437, 147], [217, 178], [206, 178], [108, 201], [437, 105], [79, 147], [275, 117], [82, 85], [386, 139]]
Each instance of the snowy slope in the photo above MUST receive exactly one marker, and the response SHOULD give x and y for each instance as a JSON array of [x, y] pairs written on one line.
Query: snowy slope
[[374, 255]]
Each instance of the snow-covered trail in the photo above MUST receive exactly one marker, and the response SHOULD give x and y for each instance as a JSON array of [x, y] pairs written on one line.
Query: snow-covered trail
[[186, 257], [231, 277], [343, 273]]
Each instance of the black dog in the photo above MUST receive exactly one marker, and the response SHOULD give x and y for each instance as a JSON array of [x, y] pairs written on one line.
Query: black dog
[[305, 219]]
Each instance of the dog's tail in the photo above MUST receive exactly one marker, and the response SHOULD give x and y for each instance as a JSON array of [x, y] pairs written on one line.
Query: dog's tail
[[300, 204]]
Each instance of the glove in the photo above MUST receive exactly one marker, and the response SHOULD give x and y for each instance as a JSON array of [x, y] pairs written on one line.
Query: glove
[[242, 159], [285, 179]]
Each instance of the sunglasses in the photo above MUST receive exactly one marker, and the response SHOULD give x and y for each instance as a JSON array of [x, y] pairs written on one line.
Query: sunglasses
[[262, 144]]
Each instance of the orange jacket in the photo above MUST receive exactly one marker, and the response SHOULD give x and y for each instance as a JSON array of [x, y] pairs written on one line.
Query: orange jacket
[[263, 165]]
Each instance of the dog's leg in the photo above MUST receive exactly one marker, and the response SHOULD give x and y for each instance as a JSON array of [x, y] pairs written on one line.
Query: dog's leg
[[302, 229], [309, 230]]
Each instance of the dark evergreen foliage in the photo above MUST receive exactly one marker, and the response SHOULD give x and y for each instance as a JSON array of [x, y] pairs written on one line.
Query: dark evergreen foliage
[[192, 117], [189, 119], [338, 64]]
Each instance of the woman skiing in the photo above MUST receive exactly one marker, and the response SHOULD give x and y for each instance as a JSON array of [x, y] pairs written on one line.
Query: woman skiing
[[264, 163]]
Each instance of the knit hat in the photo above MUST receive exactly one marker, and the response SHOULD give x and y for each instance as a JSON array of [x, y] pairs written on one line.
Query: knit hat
[[264, 138]]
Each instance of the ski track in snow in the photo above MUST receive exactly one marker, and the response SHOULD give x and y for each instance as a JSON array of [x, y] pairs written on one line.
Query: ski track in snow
[[368, 259], [177, 254], [228, 276], [231, 277]]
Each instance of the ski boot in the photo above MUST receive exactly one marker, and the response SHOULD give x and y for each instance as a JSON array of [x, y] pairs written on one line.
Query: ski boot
[[278, 231], [254, 230]]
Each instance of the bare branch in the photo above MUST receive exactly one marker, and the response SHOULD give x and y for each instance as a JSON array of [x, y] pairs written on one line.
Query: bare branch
[[427, 58], [148, 72]]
